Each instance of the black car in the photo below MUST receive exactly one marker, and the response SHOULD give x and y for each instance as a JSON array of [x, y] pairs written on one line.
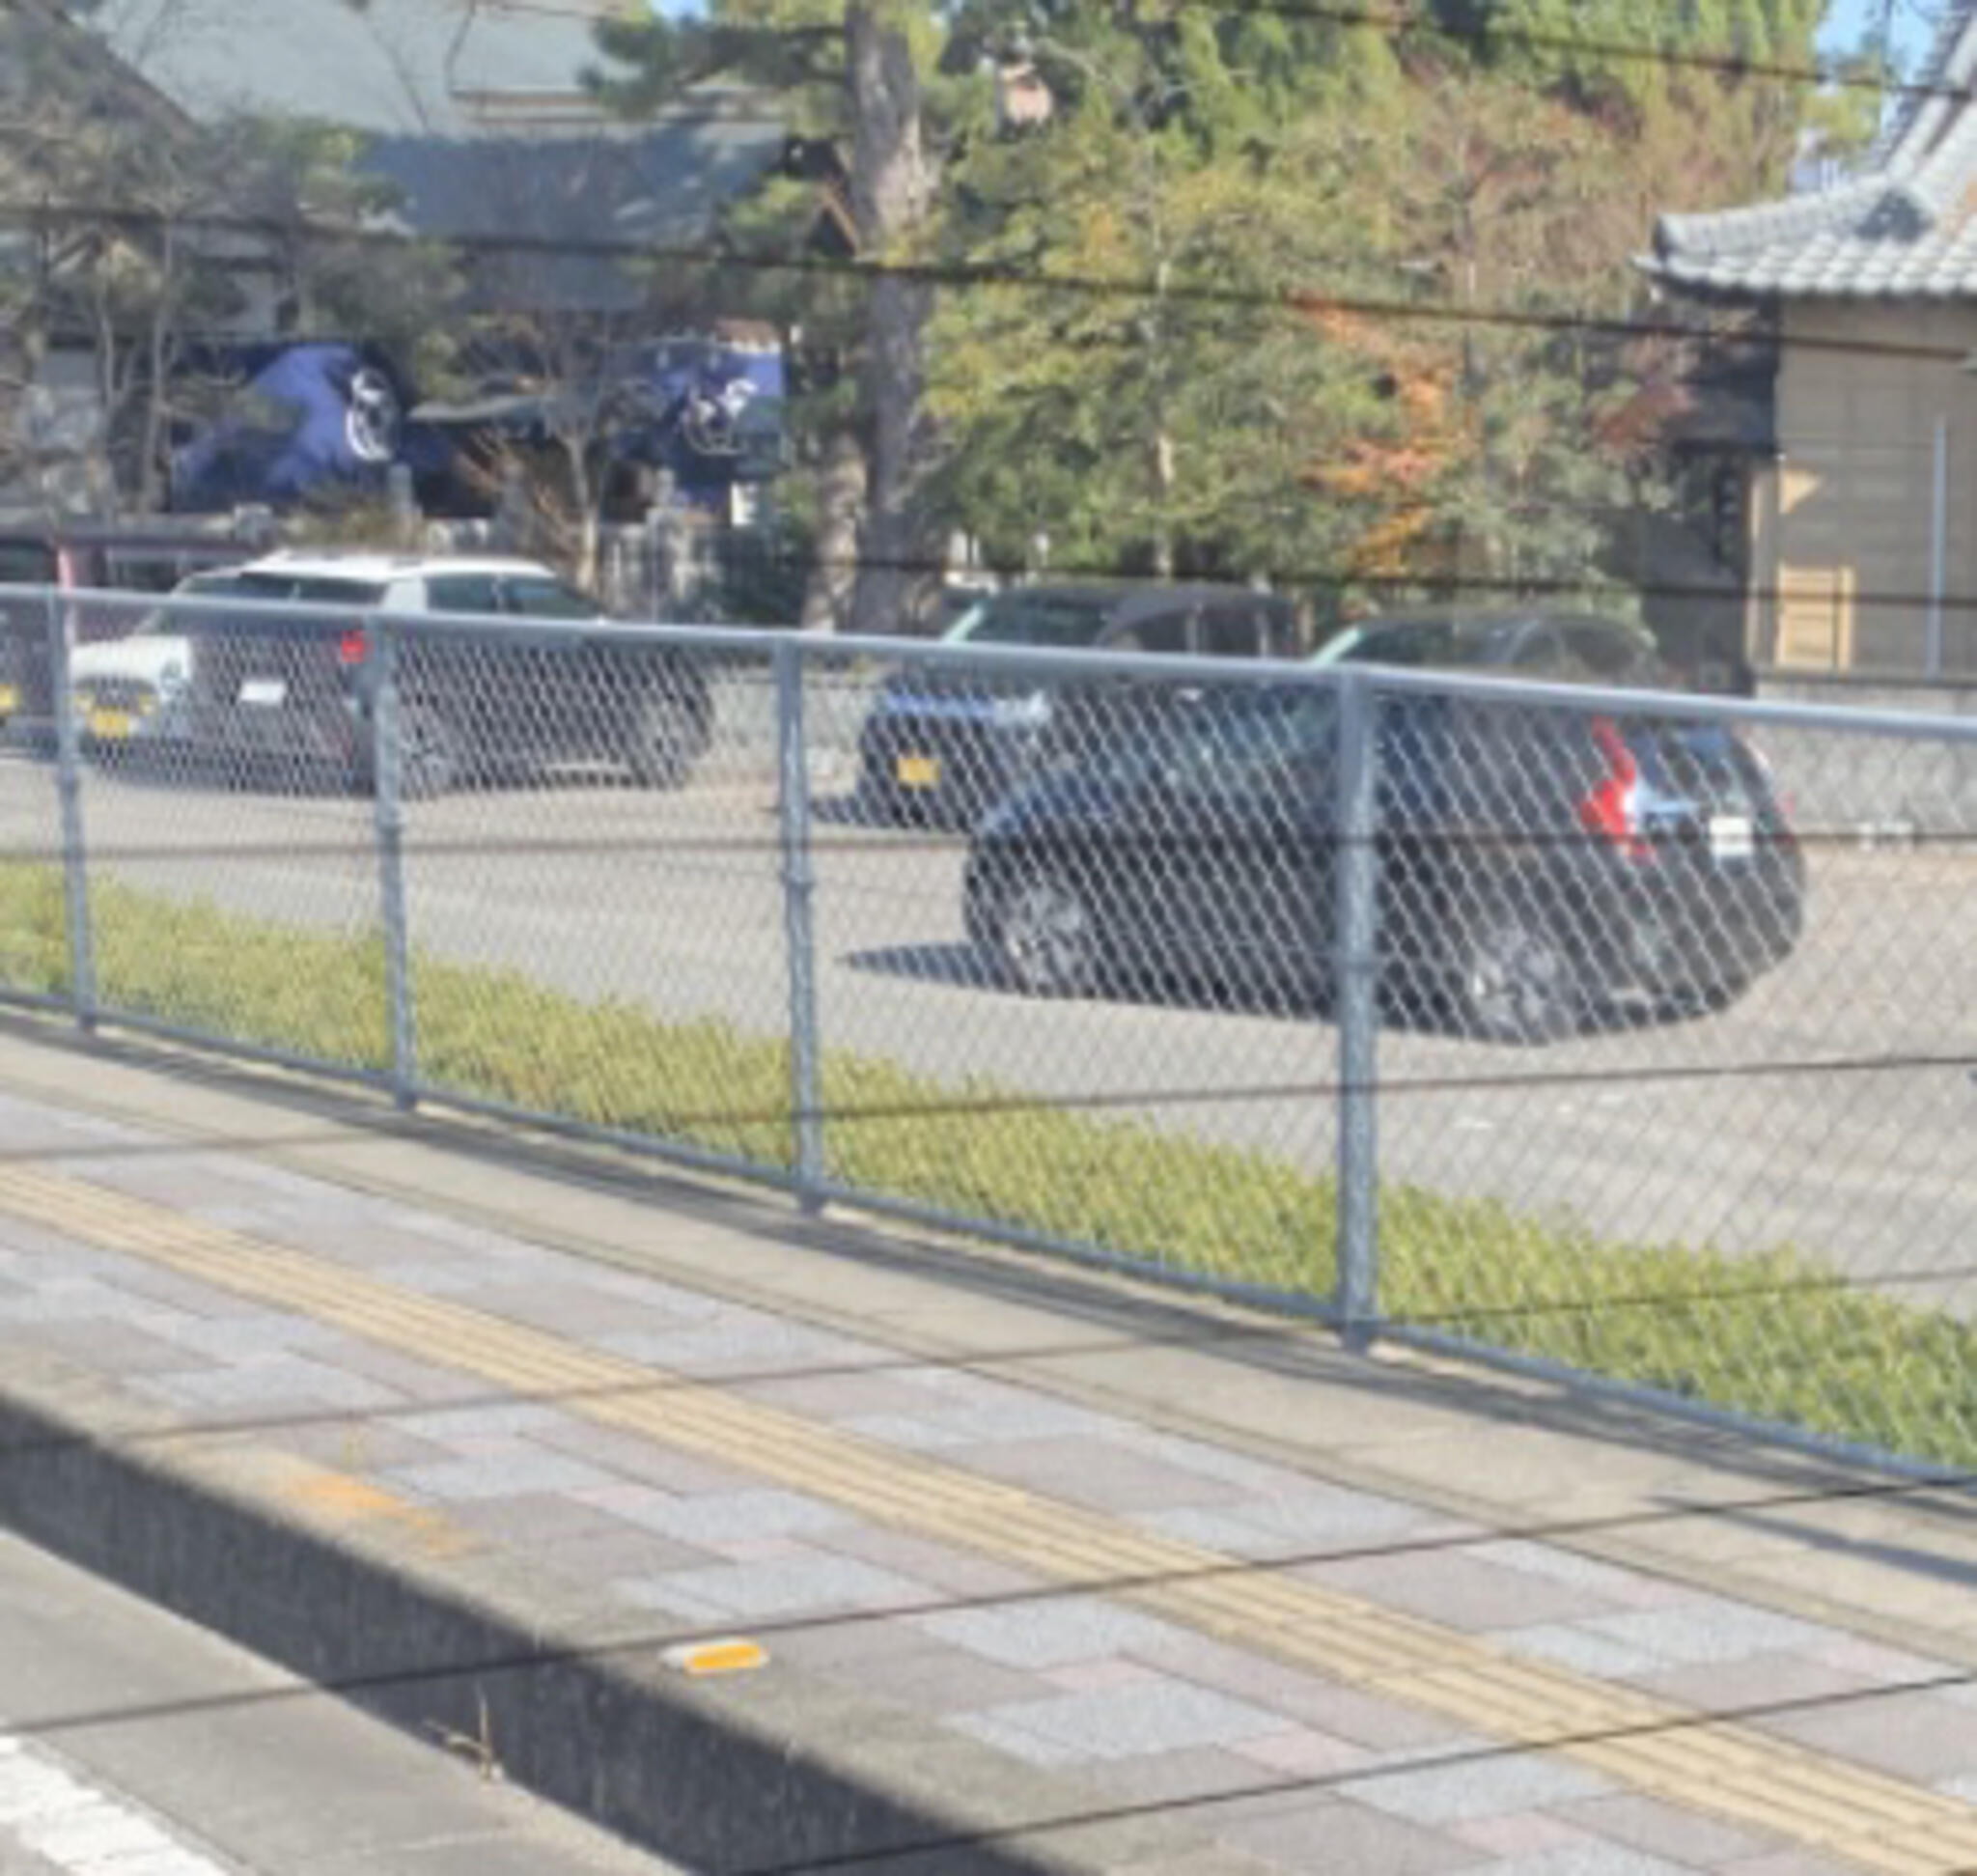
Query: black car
[[946, 744], [1534, 863], [271, 691]]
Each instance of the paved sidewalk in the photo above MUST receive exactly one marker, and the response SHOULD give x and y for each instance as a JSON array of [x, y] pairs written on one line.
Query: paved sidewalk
[[1050, 1573]]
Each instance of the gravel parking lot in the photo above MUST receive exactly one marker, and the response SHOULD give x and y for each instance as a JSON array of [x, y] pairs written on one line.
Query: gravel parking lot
[[1829, 1110]]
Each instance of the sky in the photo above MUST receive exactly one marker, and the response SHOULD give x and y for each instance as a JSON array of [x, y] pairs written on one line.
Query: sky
[[1914, 24]]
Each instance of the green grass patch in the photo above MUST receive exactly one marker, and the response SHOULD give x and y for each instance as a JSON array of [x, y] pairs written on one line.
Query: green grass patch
[[1775, 1335]]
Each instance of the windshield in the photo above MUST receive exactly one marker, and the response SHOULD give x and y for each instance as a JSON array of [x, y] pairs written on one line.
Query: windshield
[[1022, 619], [164, 625], [25, 563], [308, 590], [546, 599]]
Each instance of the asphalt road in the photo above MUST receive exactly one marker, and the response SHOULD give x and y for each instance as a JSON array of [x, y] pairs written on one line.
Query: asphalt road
[[132, 1744], [1807, 1114]]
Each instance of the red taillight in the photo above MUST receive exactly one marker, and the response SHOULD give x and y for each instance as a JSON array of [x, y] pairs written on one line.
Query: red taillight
[[352, 646], [1612, 810]]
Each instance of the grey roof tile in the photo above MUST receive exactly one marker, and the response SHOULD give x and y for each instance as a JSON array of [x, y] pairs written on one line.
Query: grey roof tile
[[451, 101], [1909, 227]]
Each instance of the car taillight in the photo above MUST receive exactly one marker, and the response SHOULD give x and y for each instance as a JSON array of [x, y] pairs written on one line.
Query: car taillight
[[352, 646], [1613, 808]]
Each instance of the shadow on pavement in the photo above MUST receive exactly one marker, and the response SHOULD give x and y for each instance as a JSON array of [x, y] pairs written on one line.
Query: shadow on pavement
[[1408, 1009], [1119, 1311]]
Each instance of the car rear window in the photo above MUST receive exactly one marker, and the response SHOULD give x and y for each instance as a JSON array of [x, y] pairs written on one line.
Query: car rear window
[[546, 599], [1440, 645], [168, 622], [25, 563], [1017, 619], [1611, 651], [310, 589]]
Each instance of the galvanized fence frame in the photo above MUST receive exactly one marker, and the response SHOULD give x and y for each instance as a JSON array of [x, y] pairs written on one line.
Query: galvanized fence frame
[[1353, 1308]]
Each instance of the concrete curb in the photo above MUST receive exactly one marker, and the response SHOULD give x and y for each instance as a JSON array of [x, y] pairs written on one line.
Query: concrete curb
[[760, 1774]]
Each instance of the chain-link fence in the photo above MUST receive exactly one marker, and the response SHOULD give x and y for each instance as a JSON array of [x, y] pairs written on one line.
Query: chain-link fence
[[1539, 1021]]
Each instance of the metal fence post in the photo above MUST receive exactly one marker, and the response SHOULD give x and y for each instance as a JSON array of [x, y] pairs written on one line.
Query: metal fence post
[[1938, 551], [792, 797], [82, 961], [1355, 974], [388, 819]]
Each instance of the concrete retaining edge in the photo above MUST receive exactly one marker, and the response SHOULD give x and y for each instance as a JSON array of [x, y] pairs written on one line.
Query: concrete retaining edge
[[740, 1778]]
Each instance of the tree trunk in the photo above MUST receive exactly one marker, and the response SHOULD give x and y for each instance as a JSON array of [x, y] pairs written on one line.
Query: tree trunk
[[106, 491], [583, 499], [892, 189], [828, 592], [1162, 463], [158, 391]]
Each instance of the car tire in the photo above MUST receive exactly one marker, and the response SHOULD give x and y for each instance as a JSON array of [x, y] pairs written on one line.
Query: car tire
[[1045, 937], [1713, 998], [1514, 979], [877, 797], [666, 739], [431, 758]]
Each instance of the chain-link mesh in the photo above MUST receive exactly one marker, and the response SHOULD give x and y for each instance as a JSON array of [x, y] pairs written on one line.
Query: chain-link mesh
[[1674, 1030], [1737, 1172], [33, 926], [233, 874], [1074, 1005], [593, 875]]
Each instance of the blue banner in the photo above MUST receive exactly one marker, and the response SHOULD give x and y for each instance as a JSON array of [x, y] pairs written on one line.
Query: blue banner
[[302, 420], [311, 420]]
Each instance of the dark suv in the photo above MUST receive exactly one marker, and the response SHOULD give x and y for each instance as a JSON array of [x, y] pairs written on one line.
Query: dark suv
[[946, 744], [1535, 862], [271, 690]]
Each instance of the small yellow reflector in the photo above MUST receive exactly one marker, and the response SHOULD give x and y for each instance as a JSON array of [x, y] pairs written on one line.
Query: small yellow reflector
[[731, 1655]]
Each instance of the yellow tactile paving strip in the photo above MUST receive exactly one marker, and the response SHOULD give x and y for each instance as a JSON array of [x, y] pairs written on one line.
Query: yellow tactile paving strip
[[1665, 1751]]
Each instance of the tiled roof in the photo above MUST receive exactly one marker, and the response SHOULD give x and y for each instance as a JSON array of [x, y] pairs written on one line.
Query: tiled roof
[[391, 67], [1906, 228], [476, 112]]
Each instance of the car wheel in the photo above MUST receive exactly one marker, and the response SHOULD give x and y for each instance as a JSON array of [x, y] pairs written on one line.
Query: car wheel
[[879, 796], [1712, 997], [666, 739], [430, 760], [1517, 982], [1045, 937]]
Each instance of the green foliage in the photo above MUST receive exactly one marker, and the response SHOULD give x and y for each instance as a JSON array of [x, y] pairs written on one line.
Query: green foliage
[[1229, 177], [1777, 1334]]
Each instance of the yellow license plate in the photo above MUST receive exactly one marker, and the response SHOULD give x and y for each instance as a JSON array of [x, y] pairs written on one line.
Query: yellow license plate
[[10, 700], [918, 771], [109, 725]]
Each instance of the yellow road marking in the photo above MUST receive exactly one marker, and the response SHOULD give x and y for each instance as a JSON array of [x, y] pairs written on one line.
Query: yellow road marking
[[338, 1498], [1656, 1747], [736, 1655]]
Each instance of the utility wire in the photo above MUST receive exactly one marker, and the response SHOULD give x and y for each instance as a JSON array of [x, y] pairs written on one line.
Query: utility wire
[[1290, 577], [980, 1106], [507, 1664], [1210, 1335], [1482, 33], [905, 841], [961, 1841], [972, 275], [1486, 33]]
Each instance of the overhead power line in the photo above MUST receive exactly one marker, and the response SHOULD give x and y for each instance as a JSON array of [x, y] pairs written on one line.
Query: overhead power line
[[1485, 34], [972, 276], [1410, 23]]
